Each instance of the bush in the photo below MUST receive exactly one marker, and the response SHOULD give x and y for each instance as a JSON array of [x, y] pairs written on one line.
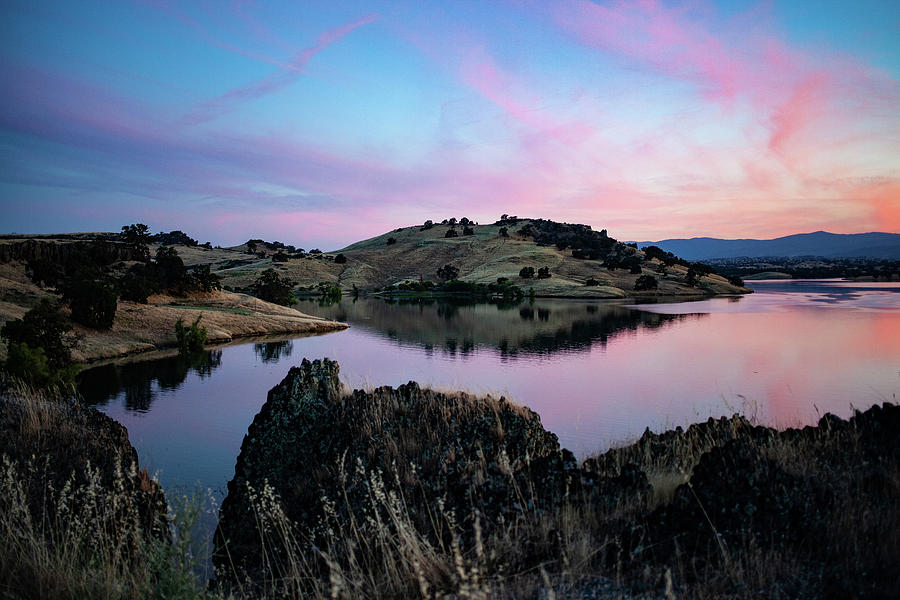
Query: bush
[[192, 338], [591, 281], [329, 291], [468, 231], [91, 299], [280, 257], [526, 272], [391, 241], [271, 287], [645, 283], [504, 232], [543, 273], [735, 280], [451, 233], [340, 259]]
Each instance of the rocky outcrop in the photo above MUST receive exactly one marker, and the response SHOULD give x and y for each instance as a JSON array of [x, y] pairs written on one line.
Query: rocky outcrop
[[316, 444], [64, 251], [62, 440], [813, 494]]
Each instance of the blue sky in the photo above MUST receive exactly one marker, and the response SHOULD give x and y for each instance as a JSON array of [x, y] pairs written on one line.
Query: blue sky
[[322, 123]]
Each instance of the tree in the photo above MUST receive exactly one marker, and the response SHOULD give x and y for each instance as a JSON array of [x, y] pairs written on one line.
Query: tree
[[280, 257], [645, 283], [451, 233], [591, 282], [736, 280], [391, 241], [206, 280], [91, 299], [137, 236], [39, 347], [428, 225], [526, 272], [340, 259], [448, 273], [468, 231], [271, 287], [691, 278], [504, 232], [464, 221], [543, 273], [173, 273]]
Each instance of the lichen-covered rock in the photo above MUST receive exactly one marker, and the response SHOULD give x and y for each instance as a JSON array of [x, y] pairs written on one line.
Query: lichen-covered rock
[[313, 443], [804, 492]]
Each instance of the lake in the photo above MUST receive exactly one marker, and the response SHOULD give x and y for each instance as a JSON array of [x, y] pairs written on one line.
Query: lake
[[597, 372]]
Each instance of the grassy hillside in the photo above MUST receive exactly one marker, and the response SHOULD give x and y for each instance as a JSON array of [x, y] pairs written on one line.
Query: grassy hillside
[[417, 253]]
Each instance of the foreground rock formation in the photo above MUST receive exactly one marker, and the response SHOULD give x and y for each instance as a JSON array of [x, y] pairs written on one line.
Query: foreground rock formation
[[66, 444], [395, 492]]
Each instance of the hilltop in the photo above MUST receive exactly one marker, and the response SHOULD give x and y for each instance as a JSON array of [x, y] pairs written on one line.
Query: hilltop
[[481, 254]]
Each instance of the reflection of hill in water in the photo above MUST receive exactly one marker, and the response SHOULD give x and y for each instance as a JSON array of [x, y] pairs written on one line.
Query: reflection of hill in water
[[99, 385], [542, 327]]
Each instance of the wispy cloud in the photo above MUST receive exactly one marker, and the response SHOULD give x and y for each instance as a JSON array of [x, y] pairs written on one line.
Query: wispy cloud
[[287, 75]]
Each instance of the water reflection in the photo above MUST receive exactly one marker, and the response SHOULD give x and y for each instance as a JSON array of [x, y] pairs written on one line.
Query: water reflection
[[272, 352], [459, 327], [135, 380]]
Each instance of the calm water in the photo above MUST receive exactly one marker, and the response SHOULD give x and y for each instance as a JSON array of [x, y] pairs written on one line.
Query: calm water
[[598, 372]]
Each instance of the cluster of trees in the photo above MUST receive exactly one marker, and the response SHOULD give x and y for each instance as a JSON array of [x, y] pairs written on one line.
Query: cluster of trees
[[88, 283], [529, 272], [272, 287]]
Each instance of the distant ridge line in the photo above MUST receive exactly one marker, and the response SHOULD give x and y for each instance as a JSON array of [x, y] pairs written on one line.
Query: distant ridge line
[[874, 244]]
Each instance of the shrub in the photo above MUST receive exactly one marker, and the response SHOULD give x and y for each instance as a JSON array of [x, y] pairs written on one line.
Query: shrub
[[591, 281], [391, 241], [468, 231], [451, 233], [280, 256], [329, 291], [340, 259], [645, 283], [543, 273], [504, 232], [735, 280], [192, 338], [271, 287], [526, 272]]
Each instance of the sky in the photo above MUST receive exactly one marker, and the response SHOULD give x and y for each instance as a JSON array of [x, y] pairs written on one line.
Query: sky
[[320, 124]]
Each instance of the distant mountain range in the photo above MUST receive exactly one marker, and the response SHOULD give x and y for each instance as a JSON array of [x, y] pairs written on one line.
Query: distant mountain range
[[819, 243]]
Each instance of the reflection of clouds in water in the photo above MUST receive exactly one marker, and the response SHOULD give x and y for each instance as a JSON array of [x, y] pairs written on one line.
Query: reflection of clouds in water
[[787, 296]]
